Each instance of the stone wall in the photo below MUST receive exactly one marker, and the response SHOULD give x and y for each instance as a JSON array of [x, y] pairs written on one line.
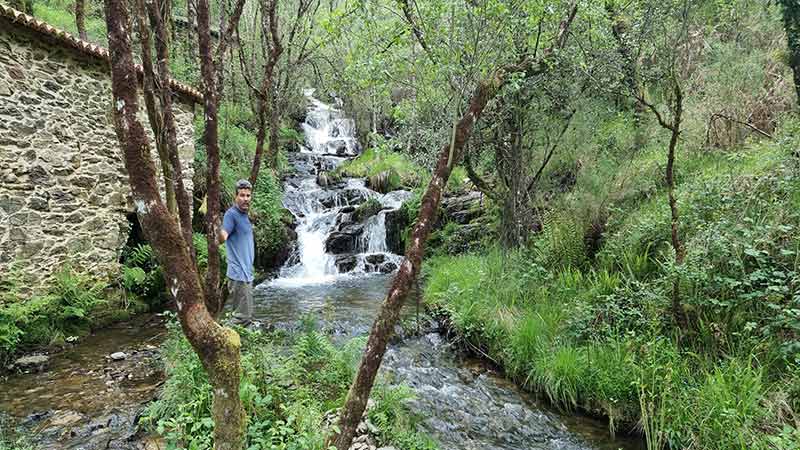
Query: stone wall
[[64, 193]]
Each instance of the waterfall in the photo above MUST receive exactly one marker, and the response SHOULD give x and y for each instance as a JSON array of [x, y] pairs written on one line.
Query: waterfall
[[329, 243]]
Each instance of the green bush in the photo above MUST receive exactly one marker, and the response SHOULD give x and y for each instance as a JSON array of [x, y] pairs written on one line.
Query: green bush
[[29, 319]]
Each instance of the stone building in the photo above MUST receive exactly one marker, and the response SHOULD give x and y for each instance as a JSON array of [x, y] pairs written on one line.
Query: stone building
[[64, 193]]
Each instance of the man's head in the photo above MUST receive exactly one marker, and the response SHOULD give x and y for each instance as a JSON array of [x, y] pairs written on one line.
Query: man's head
[[244, 191]]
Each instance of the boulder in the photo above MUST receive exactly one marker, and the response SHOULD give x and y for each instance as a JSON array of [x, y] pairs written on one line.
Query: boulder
[[396, 222], [384, 182], [345, 263], [32, 362], [354, 196], [353, 229], [323, 180], [462, 209], [367, 210], [387, 267], [337, 147], [339, 242], [376, 258]]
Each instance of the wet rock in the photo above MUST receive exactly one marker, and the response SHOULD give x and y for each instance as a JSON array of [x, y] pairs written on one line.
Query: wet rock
[[347, 209], [337, 147], [64, 418], [353, 229], [118, 356], [323, 180], [346, 263], [355, 196], [376, 258], [367, 210], [338, 243], [387, 267], [396, 222], [31, 362]]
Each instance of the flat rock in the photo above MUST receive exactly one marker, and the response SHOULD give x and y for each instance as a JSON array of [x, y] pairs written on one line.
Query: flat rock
[[118, 356], [31, 360]]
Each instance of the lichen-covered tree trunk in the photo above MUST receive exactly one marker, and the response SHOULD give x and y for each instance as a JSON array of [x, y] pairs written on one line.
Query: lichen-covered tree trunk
[[212, 91], [80, 18], [217, 347], [677, 243], [154, 114], [403, 282], [156, 13]]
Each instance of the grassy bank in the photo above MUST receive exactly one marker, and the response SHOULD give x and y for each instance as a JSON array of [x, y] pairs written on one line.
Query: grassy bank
[[289, 384], [588, 325]]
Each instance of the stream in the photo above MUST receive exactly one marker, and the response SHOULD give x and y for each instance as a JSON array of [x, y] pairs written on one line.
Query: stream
[[338, 273]]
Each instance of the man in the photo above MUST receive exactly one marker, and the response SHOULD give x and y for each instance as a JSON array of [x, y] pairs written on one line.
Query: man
[[237, 234]]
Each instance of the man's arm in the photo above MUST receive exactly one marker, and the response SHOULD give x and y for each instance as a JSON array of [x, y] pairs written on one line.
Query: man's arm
[[228, 225]]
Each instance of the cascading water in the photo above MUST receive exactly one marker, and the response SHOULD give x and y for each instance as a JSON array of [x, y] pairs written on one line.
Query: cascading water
[[329, 241]]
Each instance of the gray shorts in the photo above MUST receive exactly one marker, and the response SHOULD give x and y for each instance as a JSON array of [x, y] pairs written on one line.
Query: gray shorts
[[241, 298]]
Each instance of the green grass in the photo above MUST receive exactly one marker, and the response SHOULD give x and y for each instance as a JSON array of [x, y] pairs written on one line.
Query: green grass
[[596, 333], [402, 172], [59, 14]]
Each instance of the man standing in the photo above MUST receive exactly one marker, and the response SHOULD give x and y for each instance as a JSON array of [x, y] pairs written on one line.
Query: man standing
[[237, 234]]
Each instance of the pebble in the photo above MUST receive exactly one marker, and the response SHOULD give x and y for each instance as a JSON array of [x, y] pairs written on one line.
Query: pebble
[[118, 356]]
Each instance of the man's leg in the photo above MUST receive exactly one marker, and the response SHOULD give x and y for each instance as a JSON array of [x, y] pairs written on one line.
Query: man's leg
[[245, 306], [237, 293]]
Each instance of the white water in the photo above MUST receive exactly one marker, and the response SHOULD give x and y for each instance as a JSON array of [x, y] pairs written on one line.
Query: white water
[[329, 134], [327, 130]]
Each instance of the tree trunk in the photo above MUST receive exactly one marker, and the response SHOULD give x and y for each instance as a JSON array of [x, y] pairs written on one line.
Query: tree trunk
[[403, 282], [217, 347], [791, 24], [80, 18], [154, 114], [677, 244], [212, 92], [274, 127], [267, 99], [260, 137], [184, 203]]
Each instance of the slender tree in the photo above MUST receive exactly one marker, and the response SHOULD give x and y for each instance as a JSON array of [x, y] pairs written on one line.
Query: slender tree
[[216, 346], [791, 24], [266, 107], [80, 18], [449, 155], [211, 63]]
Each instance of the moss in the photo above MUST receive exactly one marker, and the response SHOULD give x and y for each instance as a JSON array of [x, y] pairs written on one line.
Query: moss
[[367, 210]]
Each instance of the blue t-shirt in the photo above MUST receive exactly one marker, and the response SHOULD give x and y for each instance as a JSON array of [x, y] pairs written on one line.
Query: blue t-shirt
[[239, 245]]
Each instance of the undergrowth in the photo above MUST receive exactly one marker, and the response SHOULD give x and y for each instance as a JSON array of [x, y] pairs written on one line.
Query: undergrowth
[[595, 331], [288, 385]]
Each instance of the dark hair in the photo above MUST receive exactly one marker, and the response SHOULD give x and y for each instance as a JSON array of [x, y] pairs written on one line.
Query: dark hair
[[243, 184]]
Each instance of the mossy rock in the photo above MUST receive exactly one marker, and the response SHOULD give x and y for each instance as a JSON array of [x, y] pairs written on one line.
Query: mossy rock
[[367, 209]]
